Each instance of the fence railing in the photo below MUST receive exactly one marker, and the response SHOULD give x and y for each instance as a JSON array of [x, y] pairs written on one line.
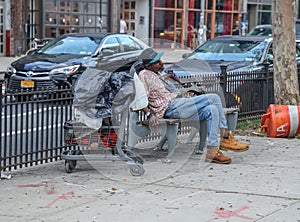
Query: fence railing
[[32, 127], [32, 121]]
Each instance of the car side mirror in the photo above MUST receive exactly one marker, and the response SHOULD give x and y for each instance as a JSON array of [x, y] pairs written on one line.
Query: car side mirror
[[185, 55], [107, 52]]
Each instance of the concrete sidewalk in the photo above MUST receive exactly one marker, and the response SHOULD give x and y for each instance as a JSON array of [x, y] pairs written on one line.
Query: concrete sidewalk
[[261, 184]]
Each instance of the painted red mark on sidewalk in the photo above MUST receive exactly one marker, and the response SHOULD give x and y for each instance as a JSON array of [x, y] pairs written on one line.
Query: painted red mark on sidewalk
[[33, 185], [227, 214], [66, 196]]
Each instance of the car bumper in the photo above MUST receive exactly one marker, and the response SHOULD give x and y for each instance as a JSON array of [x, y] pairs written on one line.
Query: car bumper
[[18, 83]]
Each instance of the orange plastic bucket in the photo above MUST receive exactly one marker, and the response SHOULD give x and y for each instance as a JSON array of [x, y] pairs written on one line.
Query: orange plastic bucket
[[281, 121]]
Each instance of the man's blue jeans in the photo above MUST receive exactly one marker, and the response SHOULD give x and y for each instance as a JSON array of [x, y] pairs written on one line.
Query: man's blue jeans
[[204, 107]]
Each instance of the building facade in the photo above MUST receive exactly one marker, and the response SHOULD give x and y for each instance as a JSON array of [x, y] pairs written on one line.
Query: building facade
[[259, 12], [24, 20], [170, 23], [161, 23]]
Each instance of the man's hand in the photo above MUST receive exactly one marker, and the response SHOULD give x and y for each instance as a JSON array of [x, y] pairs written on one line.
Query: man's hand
[[153, 120], [172, 76]]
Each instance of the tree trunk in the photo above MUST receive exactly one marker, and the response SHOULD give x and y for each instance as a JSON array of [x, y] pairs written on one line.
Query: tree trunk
[[286, 87], [17, 24]]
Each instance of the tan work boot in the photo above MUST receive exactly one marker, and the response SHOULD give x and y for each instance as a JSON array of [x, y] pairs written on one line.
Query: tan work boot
[[232, 144], [214, 155]]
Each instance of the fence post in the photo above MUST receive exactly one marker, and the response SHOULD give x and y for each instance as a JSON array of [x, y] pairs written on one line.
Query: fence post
[[1, 106], [266, 88], [223, 78], [1, 88]]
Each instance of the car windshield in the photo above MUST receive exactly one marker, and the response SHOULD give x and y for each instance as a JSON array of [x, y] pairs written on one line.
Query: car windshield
[[261, 31], [230, 51], [83, 45]]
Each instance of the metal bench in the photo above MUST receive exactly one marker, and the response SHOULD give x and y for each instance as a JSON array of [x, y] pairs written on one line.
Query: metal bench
[[168, 128]]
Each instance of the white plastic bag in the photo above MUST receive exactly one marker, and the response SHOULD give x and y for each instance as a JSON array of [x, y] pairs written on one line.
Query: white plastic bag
[[140, 100]]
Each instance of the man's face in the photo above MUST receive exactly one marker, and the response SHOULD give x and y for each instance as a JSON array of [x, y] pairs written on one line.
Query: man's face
[[156, 66]]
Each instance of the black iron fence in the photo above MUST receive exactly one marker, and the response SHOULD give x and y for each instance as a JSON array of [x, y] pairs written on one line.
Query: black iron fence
[[32, 127], [32, 121]]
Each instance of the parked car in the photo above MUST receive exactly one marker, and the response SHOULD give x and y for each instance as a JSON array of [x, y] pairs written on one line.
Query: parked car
[[236, 53], [261, 30], [266, 30], [70, 55]]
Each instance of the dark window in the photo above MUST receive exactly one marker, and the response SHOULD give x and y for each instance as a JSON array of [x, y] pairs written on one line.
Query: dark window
[[112, 44], [129, 44]]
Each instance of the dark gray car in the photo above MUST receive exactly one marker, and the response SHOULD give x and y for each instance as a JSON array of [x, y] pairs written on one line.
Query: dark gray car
[[237, 53], [266, 30], [70, 55], [244, 57]]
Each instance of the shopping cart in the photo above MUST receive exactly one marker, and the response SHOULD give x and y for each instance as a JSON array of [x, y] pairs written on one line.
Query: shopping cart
[[106, 142], [98, 145]]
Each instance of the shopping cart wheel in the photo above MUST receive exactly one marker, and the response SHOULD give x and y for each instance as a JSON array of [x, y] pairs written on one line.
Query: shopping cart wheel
[[137, 169], [137, 159], [70, 165]]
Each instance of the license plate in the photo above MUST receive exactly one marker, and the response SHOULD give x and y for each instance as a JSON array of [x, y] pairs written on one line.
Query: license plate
[[27, 84]]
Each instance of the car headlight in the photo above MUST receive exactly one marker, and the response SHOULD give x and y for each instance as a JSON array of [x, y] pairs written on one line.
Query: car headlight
[[10, 70], [68, 71], [161, 34]]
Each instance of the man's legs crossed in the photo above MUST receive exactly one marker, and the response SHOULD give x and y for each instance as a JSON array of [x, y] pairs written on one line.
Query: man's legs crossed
[[228, 141], [199, 108]]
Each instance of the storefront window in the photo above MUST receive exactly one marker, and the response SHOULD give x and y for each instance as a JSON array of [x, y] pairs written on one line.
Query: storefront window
[[76, 6], [194, 19], [179, 4], [220, 4], [174, 25], [209, 27], [166, 29], [209, 4], [129, 14], [195, 4], [265, 17], [50, 18], [265, 7], [236, 5], [75, 20], [264, 14], [89, 21], [87, 16], [194, 13], [168, 3]]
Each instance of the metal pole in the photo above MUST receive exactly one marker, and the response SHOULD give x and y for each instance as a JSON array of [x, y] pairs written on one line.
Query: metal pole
[[202, 28], [202, 13]]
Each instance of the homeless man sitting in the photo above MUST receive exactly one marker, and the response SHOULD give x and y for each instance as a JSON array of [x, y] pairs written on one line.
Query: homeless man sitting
[[163, 103]]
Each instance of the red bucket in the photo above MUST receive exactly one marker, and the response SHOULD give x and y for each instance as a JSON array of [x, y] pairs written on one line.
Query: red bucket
[[281, 121]]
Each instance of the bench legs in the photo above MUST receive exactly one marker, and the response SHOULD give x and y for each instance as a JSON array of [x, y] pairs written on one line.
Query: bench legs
[[232, 121], [136, 132], [170, 135], [202, 129]]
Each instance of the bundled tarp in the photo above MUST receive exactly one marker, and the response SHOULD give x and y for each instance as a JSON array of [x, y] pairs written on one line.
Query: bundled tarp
[[100, 94]]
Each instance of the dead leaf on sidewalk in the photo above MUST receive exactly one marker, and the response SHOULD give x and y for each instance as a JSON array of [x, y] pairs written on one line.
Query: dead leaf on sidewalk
[[258, 134]]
